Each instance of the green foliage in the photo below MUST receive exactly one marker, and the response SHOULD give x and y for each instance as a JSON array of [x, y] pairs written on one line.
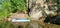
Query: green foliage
[[9, 6], [19, 5], [58, 5]]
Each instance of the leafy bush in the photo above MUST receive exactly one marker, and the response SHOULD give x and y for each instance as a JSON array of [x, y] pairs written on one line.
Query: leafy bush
[[10, 6], [58, 5]]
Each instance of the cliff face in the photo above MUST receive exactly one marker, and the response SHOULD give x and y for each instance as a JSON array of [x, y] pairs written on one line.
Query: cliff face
[[39, 8]]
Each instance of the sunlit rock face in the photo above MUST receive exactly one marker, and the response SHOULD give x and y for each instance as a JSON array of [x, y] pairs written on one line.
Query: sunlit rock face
[[30, 3], [36, 11], [50, 12], [40, 8]]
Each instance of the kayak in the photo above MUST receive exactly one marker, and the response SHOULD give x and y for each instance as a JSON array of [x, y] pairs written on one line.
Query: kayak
[[20, 20]]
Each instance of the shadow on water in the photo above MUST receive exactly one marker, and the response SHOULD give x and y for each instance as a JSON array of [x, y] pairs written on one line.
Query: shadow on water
[[53, 20], [20, 26]]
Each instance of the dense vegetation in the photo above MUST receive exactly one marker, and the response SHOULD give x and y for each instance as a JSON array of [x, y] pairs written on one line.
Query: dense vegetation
[[11, 6]]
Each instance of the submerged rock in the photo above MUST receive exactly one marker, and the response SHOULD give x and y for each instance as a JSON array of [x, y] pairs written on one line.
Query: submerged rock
[[34, 25]]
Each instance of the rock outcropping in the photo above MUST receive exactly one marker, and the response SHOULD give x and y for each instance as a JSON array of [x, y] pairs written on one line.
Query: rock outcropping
[[41, 8]]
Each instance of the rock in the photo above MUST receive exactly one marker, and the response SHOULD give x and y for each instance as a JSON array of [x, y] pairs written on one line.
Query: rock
[[34, 25]]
